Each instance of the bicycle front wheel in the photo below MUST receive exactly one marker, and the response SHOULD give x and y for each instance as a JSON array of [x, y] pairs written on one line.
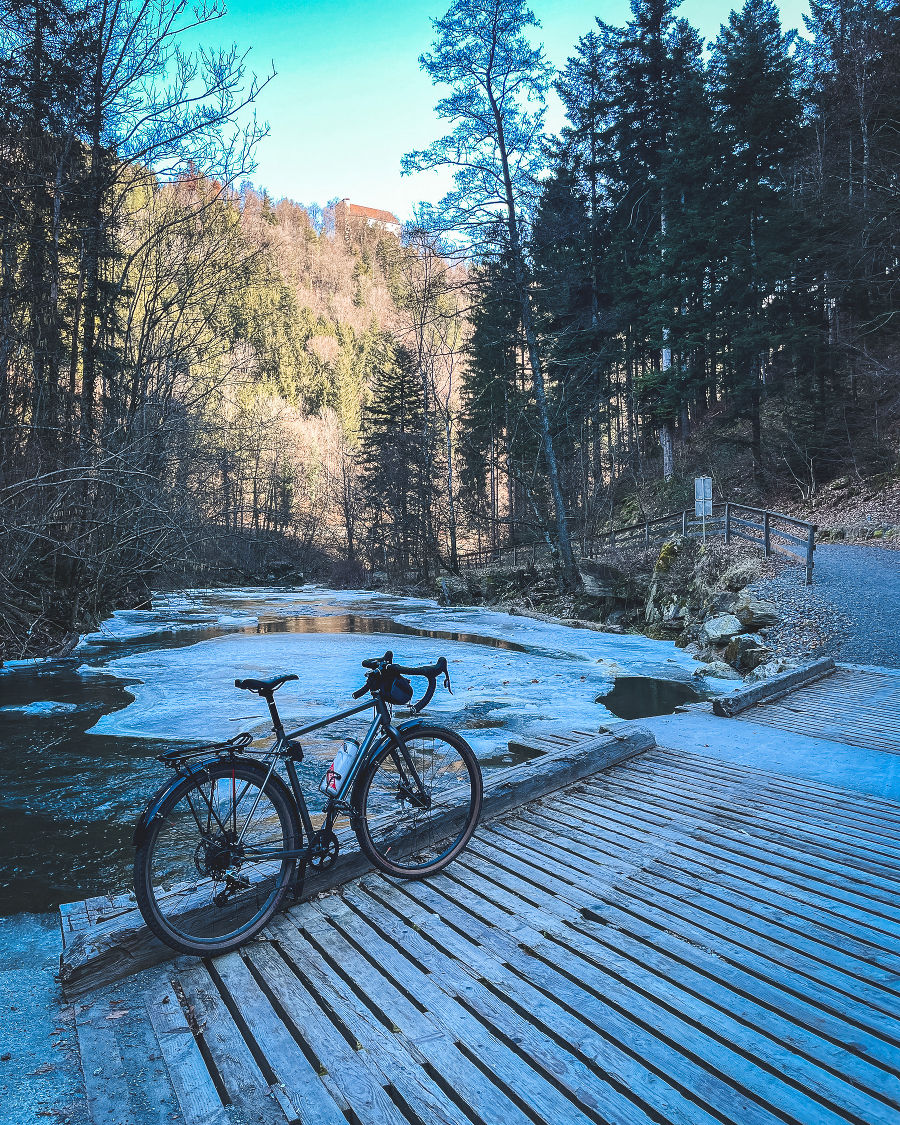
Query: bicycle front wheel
[[210, 871], [409, 825]]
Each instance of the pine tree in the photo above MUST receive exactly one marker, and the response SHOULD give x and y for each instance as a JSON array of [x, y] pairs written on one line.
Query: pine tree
[[759, 118]]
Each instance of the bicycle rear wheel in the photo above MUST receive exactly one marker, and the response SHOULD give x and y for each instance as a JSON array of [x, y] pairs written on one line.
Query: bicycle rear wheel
[[209, 873], [403, 833]]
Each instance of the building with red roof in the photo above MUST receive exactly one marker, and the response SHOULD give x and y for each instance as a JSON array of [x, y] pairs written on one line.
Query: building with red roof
[[346, 212]]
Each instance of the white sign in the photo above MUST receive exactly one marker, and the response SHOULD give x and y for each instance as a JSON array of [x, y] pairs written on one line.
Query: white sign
[[702, 497]]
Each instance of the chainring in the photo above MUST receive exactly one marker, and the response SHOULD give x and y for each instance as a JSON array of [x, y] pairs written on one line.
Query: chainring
[[324, 850]]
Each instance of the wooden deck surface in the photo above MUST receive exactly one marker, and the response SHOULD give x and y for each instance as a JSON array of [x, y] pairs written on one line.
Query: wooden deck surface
[[674, 940], [853, 706]]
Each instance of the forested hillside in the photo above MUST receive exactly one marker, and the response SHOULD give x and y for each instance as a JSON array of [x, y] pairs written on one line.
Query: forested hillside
[[184, 364], [714, 255], [199, 382]]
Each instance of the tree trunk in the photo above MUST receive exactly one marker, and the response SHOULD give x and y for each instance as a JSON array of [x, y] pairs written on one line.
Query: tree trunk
[[570, 574], [667, 441]]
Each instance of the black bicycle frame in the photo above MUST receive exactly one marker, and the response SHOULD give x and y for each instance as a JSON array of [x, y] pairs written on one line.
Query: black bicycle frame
[[381, 723]]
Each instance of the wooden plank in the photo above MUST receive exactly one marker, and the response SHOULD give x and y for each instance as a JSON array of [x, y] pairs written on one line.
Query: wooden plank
[[197, 1095], [436, 1042], [731, 705], [341, 1066], [794, 956], [247, 1088], [260, 1025], [718, 826], [397, 1060], [868, 816], [102, 1065], [595, 1072], [864, 1059], [802, 1086], [788, 836], [660, 1040], [503, 1066], [122, 944], [791, 896]]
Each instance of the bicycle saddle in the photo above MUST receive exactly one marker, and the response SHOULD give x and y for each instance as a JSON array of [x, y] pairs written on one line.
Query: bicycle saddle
[[263, 687]]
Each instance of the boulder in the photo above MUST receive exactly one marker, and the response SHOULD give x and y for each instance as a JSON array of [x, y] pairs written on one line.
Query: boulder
[[756, 613], [769, 669], [719, 630], [723, 601], [746, 652], [738, 575], [719, 669], [601, 581]]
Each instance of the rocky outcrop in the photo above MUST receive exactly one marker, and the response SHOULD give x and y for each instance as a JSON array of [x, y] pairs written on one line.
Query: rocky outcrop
[[696, 594]]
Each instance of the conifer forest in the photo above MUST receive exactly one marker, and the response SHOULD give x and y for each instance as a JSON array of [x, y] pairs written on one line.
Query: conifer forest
[[697, 273]]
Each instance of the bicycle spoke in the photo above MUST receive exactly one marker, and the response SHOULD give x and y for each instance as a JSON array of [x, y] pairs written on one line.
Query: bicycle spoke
[[203, 886]]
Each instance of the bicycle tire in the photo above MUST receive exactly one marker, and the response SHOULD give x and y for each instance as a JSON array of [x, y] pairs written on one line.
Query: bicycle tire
[[176, 867], [414, 836]]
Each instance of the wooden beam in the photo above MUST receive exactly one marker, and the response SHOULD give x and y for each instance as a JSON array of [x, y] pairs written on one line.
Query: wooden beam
[[731, 705]]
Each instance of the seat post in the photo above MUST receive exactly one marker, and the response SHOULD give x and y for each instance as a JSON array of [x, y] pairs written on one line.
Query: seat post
[[269, 697]]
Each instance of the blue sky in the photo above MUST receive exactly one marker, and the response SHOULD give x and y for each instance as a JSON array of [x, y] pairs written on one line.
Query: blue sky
[[350, 99]]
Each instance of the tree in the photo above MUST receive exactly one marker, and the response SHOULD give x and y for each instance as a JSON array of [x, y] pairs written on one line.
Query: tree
[[498, 84], [759, 116]]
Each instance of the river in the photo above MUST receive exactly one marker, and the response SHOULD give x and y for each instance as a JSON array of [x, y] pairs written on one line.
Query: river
[[79, 739]]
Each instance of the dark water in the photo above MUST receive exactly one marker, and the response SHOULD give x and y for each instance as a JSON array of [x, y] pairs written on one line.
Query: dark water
[[638, 697]]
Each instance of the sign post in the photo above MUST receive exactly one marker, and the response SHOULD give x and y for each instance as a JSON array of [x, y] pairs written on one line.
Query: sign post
[[703, 500]]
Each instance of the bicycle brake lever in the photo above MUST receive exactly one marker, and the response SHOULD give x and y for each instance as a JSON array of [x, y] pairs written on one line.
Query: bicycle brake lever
[[447, 682]]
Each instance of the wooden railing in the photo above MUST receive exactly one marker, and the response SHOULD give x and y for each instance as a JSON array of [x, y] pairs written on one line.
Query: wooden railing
[[729, 520]]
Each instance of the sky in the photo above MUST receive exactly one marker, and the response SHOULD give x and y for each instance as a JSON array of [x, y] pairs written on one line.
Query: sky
[[349, 97]]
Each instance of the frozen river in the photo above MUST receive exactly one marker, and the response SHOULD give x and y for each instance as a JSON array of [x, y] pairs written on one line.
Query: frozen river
[[78, 741]]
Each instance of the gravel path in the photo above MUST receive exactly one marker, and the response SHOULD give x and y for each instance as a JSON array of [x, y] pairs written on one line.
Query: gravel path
[[851, 611]]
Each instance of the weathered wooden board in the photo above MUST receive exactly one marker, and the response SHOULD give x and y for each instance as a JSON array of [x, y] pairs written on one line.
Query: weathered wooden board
[[738, 701], [106, 940], [856, 707]]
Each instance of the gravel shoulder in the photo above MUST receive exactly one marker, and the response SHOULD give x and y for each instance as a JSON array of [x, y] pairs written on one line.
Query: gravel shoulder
[[849, 612]]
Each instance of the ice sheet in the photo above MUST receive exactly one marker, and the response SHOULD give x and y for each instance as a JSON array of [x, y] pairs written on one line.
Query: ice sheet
[[237, 608], [188, 693], [41, 707]]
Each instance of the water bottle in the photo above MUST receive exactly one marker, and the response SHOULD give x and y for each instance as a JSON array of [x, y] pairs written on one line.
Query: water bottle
[[332, 783]]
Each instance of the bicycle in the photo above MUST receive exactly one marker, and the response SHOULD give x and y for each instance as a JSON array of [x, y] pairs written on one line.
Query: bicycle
[[221, 845]]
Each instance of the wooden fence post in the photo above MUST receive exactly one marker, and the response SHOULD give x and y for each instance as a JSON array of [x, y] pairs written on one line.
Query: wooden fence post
[[767, 535], [810, 547], [727, 523]]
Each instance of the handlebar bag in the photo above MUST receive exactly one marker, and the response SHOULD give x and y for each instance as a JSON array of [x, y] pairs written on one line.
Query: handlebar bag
[[400, 690]]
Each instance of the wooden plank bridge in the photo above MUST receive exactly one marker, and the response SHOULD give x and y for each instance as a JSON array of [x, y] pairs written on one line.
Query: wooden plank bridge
[[674, 939]]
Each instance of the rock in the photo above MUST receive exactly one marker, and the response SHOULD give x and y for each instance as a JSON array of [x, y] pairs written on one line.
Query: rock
[[771, 668], [723, 601], [719, 669], [756, 613], [738, 576], [718, 630], [601, 581], [746, 652]]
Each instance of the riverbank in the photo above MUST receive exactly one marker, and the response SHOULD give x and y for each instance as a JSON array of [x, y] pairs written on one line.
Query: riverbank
[[702, 596]]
